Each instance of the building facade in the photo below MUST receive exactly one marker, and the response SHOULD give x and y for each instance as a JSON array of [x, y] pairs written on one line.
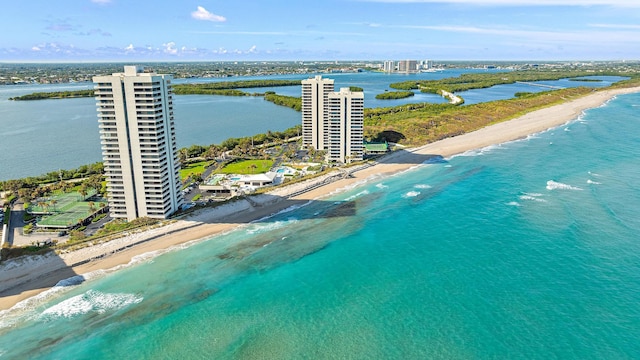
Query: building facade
[[346, 126], [389, 66], [315, 93], [407, 66], [137, 133]]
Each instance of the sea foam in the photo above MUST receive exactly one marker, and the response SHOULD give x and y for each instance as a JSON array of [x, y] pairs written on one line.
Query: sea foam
[[554, 185], [532, 197], [411, 194], [91, 301], [422, 186]]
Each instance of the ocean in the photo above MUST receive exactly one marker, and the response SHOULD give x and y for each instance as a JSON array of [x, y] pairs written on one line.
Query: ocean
[[527, 249], [49, 135]]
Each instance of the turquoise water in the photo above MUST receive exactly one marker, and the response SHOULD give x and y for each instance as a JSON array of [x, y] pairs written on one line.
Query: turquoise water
[[522, 250]]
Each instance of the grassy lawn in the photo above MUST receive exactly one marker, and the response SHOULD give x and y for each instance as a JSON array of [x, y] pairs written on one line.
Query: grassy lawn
[[196, 168], [245, 167]]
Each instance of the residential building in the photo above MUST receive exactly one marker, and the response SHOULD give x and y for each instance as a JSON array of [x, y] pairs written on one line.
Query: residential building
[[137, 133], [314, 111], [346, 126], [407, 66], [389, 66]]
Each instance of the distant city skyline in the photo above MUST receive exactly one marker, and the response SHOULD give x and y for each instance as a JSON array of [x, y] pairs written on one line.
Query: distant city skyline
[[202, 30]]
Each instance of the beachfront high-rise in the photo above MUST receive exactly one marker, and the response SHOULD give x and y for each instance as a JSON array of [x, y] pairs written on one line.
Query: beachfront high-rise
[[346, 126], [137, 133], [389, 66], [315, 92]]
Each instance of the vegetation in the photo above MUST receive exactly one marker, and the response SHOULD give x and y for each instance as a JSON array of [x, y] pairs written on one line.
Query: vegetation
[[282, 100], [356, 88], [485, 80], [9, 251], [246, 167], [184, 89], [193, 169], [424, 123], [585, 80], [55, 95], [53, 176], [388, 95]]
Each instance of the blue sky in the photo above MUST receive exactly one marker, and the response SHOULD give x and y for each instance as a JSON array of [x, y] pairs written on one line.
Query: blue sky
[[207, 30]]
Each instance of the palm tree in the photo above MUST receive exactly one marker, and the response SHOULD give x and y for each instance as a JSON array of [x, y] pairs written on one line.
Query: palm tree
[[83, 191], [92, 207], [53, 203], [42, 205]]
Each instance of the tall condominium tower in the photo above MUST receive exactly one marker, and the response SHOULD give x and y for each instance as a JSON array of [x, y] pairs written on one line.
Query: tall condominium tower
[[346, 123], [137, 133], [407, 66], [389, 66], [314, 112]]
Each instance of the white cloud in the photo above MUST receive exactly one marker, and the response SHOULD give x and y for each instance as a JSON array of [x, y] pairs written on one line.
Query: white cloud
[[35, 48], [253, 50], [621, 3], [203, 14], [130, 48], [170, 48]]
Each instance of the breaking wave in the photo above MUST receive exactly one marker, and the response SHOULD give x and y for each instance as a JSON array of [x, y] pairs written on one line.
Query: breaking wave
[[411, 194], [553, 185], [91, 301]]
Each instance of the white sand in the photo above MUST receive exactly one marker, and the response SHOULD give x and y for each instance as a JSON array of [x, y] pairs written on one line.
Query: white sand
[[24, 278]]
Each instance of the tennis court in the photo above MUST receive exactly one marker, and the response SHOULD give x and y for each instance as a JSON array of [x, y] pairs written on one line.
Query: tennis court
[[66, 209]]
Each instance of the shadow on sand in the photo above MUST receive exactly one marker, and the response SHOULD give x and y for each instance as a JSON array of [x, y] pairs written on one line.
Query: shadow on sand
[[14, 280]]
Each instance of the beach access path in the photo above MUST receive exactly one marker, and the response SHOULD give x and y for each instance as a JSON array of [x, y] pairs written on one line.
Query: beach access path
[[21, 279]]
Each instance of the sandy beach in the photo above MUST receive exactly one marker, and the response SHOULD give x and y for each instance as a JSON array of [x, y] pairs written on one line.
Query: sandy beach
[[21, 279]]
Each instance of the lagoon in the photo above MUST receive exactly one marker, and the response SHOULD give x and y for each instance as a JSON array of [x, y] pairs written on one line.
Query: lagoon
[[48, 135]]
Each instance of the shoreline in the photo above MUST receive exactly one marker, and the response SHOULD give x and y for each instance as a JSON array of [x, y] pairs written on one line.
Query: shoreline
[[21, 281]]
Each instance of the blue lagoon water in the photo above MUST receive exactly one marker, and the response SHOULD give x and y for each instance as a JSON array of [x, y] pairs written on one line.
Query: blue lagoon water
[[527, 249], [66, 131]]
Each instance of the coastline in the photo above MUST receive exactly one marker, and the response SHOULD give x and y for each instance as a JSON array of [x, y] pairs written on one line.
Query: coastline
[[37, 276]]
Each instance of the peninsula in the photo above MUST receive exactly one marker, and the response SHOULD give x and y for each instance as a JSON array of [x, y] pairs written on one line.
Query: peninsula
[[23, 281]]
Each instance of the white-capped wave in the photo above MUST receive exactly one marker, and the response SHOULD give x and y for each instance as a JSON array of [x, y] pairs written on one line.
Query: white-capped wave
[[422, 186], [594, 174], [554, 185], [91, 301], [533, 194], [514, 203], [381, 186], [532, 198], [567, 129], [258, 228], [593, 182], [355, 196], [411, 194]]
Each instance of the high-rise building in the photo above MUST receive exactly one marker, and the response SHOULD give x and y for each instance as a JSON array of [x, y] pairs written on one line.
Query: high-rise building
[[314, 111], [389, 66], [137, 133], [346, 126], [407, 66]]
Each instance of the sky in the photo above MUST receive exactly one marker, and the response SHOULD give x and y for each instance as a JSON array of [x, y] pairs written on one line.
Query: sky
[[305, 30]]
